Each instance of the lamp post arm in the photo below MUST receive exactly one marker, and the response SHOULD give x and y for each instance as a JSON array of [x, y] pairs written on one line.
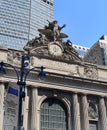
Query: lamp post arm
[[30, 71], [11, 66]]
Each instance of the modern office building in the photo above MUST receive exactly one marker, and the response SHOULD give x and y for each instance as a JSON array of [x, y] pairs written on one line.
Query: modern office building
[[98, 52], [20, 20], [81, 50]]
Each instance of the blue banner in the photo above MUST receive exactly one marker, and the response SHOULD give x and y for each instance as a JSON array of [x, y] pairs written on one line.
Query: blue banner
[[13, 91]]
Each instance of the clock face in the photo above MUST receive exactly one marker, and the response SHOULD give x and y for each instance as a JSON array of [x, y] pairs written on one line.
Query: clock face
[[55, 50]]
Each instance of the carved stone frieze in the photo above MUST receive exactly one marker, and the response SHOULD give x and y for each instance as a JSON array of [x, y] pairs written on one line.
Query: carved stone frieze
[[91, 72]]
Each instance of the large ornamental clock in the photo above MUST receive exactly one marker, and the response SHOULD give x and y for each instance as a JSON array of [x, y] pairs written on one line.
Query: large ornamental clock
[[55, 49]]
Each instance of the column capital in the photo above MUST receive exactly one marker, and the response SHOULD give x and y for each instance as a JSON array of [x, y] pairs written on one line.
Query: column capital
[[101, 96], [83, 94], [73, 93]]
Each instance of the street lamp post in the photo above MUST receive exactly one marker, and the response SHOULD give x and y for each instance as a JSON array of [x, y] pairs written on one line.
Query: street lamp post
[[21, 80]]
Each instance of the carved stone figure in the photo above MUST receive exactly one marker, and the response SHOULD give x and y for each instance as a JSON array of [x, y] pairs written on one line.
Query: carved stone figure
[[50, 44], [42, 39], [93, 110], [30, 43], [91, 72], [53, 31], [38, 40], [68, 46], [68, 43], [56, 30]]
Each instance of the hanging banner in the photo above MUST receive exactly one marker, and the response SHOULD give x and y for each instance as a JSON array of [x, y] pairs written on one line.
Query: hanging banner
[[11, 106]]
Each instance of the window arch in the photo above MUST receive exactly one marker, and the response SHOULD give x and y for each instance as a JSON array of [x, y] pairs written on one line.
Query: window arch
[[53, 115]]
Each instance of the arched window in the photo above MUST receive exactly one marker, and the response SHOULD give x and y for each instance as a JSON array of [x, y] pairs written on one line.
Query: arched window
[[53, 115]]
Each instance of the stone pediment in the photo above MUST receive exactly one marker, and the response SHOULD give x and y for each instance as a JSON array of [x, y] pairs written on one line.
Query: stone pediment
[[50, 44]]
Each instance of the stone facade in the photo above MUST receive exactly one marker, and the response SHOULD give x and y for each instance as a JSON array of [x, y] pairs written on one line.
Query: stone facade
[[72, 96], [81, 87]]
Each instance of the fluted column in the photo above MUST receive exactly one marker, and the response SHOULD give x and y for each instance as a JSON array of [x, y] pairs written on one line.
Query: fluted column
[[103, 114], [76, 122], [25, 110], [84, 113], [34, 109]]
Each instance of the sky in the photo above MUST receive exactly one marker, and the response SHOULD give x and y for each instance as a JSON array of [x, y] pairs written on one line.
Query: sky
[[86, 20]]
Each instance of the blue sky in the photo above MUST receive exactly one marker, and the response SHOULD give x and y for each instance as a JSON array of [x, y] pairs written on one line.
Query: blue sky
[[86, 20]]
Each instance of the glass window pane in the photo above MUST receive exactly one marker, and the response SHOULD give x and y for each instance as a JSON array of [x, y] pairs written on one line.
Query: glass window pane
[[93, 125], [53, 115]]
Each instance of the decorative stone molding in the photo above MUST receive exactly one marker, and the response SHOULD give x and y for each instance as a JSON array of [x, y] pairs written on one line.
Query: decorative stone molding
[[14, 57], [91, 72]]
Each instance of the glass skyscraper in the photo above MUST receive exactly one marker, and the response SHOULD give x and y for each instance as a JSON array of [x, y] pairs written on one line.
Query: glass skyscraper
[[81, 50], [20, 20]]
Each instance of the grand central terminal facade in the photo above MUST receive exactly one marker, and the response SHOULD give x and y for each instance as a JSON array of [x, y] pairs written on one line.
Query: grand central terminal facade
[[72, 95]]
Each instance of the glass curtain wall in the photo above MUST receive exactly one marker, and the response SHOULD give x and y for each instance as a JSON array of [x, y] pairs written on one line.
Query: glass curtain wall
[[21, 19], [42, 11], [14, 23]]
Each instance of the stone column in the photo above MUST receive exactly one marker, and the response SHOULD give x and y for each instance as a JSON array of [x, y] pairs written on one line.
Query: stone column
[[34, 109], [76, 120], [84, 113], [25, 109], [103, 114], [2, 88]]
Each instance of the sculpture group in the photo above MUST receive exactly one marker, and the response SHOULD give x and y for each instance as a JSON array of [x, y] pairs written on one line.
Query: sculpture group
[[53, 31], [49, 33]]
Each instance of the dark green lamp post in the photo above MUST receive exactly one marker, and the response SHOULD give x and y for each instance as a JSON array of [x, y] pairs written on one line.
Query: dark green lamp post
[[21, 80]]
